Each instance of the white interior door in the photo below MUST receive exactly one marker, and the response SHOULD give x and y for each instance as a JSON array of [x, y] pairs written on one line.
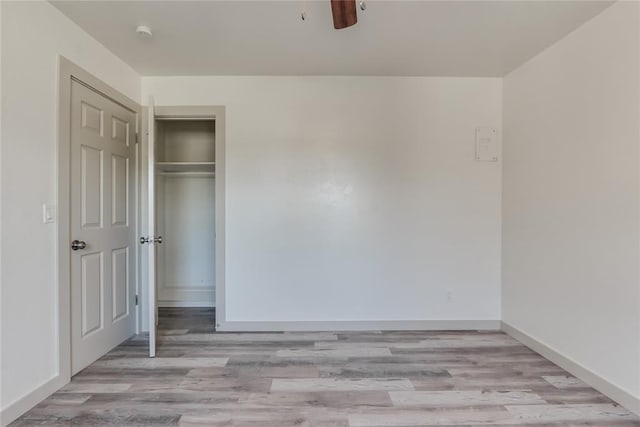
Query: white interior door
[[102, 225], [151, 239]]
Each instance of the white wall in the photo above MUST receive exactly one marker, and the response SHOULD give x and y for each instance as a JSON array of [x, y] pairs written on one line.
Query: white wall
[[571, 197], [33, 35], [355, 198]]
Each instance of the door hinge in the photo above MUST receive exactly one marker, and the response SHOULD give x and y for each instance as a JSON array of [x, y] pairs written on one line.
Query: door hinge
[[137, 138], [136, 299]]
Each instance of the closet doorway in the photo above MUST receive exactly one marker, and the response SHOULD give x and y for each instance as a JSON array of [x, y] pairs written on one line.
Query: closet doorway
[[185, 209], [185, 212]]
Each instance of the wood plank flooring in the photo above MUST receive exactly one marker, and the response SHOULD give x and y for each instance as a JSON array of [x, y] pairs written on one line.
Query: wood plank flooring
[[202, 378]]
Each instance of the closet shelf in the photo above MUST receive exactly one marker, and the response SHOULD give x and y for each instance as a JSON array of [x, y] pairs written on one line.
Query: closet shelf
[[186, 166]]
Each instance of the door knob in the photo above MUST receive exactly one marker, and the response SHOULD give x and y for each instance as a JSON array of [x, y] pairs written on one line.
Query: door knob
[[150, 240], [78, 244]]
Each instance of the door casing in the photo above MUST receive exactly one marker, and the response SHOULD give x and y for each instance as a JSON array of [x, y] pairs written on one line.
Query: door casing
[[67, 71]]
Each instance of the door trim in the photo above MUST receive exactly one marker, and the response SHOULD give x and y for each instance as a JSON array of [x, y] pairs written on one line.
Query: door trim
[[68, 71]]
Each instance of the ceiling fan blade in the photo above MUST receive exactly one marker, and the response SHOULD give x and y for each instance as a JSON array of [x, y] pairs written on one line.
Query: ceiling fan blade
[[344, 13]]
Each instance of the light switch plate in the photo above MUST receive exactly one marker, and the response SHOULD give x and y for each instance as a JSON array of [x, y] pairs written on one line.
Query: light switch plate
[[48, 213], [486, 144]]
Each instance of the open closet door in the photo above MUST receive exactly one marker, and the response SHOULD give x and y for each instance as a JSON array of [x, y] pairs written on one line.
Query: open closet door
[[151, 239]]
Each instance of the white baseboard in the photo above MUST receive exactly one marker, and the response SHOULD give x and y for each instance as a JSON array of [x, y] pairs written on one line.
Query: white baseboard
[[186, 296], [623, 397], [14, 410], [358, 325]]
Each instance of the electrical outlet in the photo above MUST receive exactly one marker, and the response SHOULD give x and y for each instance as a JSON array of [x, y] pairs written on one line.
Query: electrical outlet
[[449, 296]]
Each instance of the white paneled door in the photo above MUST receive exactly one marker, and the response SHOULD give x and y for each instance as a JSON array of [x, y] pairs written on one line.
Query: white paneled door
[[102, 225]]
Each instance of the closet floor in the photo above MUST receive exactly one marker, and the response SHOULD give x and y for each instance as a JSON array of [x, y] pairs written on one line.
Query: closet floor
[[373, 378], [188, 320]]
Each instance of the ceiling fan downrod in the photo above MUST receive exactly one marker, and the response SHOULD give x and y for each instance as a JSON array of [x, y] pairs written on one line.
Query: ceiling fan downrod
[[344, 13]]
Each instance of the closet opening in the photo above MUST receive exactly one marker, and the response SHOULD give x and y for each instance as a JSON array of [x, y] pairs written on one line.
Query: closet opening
[[185, 210]]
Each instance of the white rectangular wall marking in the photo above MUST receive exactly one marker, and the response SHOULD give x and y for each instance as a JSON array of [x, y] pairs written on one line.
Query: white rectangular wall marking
[[486, 144]]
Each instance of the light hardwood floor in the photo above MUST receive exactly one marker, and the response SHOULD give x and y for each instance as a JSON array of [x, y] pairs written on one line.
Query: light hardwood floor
[[202, 378]]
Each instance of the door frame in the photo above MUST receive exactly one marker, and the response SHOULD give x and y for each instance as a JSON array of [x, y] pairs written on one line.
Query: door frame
[[195, 112], [68, 71]]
